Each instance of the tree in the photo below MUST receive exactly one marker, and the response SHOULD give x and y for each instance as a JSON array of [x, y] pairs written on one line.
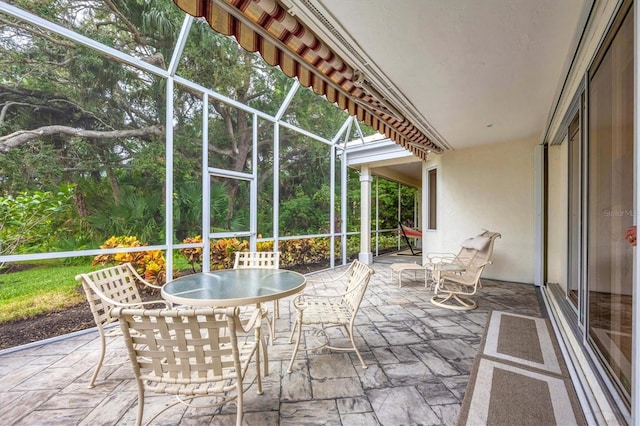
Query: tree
[[70, 114]]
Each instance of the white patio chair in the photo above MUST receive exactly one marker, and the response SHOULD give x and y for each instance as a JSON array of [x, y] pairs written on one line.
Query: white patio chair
[[452, 288], [109, 288], [190, 353], [264, 260], [327, 311]]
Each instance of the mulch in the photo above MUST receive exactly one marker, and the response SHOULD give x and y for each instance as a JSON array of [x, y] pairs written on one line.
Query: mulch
[[51, 324]]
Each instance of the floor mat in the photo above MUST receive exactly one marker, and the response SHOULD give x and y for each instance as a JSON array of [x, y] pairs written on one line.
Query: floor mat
[[519, 377]]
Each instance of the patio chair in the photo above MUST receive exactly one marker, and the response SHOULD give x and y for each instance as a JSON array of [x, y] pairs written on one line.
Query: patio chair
[[191, 353], [453, 288], [109, 288], [324, 312], [264, 260]]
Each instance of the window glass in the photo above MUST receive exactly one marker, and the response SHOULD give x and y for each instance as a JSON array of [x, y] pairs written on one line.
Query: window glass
[[610, 204]]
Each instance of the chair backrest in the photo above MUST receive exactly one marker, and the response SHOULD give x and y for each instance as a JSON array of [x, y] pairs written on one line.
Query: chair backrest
[[110, 287], [477, 251], [356, 286], [474, 255], [257, 259], [176, 347]]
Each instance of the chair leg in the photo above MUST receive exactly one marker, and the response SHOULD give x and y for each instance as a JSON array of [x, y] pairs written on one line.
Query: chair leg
[[140, 403], [103, 345], [353, 343], [240, 400], [276, 314], [260, 344], [298, 324]]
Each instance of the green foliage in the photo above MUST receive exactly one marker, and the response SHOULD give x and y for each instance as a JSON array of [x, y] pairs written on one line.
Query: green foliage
[[149, 264], [292, 252], [32, 221], [120, 181], [136, 213], [303, 251], [221, 252]]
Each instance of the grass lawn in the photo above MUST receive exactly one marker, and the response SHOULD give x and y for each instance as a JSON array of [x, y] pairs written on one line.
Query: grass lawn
[[39, 289], [46, 287]]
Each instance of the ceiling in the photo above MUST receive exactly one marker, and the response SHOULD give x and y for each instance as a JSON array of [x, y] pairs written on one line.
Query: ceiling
[[467, 72]]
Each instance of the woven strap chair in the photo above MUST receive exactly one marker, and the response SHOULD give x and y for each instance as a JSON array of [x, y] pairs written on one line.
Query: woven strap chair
[[264, 260], [191, 353], [452, 289], [109, 288], [326, 311]]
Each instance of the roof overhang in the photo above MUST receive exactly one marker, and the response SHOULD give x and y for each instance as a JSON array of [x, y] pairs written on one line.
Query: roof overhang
[[386, 159]]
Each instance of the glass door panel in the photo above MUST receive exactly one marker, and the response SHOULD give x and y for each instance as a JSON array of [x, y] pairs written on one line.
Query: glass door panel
[[610, 206], [575, 224]]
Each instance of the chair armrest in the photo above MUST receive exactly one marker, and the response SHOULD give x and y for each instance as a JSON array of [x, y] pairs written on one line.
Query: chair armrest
[[167, 304], [441, 257], [340, 277], [254, 321], [142, 280], [299, 301]]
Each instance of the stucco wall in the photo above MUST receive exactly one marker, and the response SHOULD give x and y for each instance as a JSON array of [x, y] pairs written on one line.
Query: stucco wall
[[490, 187]]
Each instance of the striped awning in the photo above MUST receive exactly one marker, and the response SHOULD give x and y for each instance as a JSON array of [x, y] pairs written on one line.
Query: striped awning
[[266, 27]]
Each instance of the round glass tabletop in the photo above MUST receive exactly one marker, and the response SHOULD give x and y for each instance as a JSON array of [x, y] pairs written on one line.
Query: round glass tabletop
[[233, 287]]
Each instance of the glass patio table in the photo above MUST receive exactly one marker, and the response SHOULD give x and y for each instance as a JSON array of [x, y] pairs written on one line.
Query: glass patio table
[[233, 287]]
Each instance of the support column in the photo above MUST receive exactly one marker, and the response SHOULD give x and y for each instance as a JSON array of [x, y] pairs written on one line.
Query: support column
[[365, 256]]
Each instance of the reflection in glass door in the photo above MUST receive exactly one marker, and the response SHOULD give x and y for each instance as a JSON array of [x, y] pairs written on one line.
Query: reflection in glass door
[[574, 292], [610, 204]]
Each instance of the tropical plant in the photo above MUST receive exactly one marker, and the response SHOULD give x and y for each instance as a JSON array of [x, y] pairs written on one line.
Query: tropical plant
[[33, 221], [150, 264]]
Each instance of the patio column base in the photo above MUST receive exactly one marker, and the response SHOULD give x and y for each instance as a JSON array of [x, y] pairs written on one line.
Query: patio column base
[[366, 258]]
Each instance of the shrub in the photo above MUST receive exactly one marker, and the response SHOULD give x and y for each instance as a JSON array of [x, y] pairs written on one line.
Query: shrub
[[33, 221], [303, 251], [221, 252], [149, 264], [292, 252]]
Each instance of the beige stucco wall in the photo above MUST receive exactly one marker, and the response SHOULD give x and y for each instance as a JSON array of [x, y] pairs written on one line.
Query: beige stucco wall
[[488, 187], [557, 214]]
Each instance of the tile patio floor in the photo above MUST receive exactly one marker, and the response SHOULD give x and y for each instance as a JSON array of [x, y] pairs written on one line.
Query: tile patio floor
[[419, 357]]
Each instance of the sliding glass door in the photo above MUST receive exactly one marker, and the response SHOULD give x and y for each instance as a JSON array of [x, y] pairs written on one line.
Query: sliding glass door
[[609, 257]]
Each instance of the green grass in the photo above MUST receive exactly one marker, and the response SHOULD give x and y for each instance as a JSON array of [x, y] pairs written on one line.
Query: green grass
[[40, 289], [47, 287]]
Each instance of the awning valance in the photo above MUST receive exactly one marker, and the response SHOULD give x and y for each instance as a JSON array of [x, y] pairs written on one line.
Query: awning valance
[[266, 27]]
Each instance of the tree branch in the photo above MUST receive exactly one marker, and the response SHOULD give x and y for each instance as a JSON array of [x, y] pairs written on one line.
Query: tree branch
[[22, 136], [136, 34], [5, 108], [39, 33]]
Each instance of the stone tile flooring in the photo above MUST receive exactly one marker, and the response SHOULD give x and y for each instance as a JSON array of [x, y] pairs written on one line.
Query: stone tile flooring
[[419, 357]]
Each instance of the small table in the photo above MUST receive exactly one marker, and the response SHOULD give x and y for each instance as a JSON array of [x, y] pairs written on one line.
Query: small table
[[233, 287], [401, 267]]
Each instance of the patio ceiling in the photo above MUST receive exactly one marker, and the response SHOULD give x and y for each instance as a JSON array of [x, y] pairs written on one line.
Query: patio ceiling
[[471, 72]]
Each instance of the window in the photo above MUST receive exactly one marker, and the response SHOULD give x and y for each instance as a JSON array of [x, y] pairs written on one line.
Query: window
[[432, 196]]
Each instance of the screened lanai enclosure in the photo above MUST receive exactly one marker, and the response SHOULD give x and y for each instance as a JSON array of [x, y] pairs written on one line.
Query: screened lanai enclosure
[[131, 131]]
